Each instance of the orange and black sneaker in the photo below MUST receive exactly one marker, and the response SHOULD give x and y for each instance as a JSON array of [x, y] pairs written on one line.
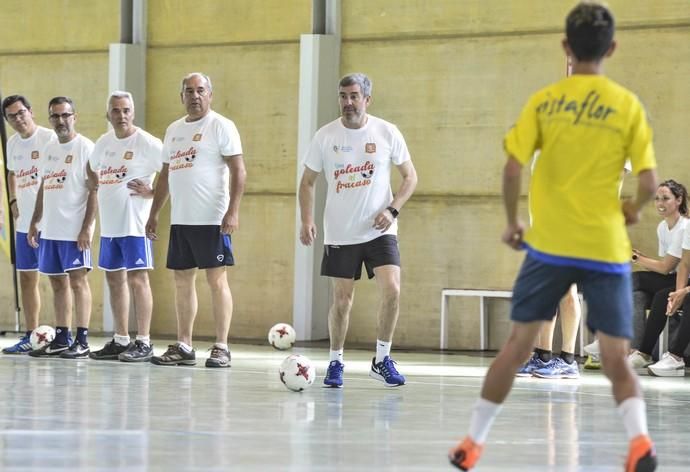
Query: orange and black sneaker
[[642, 456], [466, 454]]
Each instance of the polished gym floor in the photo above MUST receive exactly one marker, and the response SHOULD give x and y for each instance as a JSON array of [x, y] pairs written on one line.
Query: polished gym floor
[[62, 415]]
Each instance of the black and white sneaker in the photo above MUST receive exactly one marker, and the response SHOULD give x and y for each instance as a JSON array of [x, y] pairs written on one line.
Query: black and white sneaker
[[52, 349], [110, 351], [138, 351], [76, 351]]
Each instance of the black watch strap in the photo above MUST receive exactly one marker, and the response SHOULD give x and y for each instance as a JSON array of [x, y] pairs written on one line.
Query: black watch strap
[[393, 211]]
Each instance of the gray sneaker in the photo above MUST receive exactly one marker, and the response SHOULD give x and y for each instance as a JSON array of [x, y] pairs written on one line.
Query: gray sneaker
[[175, 355], [138, 351], [219, 357]]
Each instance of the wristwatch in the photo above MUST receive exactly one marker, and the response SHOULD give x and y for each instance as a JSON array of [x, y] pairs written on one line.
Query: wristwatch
[[393, 211]]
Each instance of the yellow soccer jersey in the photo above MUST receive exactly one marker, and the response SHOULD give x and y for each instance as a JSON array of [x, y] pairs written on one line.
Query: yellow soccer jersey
[[584, 127]]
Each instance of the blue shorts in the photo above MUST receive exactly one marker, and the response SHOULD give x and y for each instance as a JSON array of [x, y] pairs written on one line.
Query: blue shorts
[[59, 257], [127, 252], [540, 286], [27, 256]]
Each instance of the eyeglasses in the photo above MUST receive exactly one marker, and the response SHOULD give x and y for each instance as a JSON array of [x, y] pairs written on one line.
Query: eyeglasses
[[57, 116], [19, 114]]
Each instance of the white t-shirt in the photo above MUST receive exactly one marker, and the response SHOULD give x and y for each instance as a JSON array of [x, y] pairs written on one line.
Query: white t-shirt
[[24, 157], [357, 166], [116, 162], [671, 241], [64, 188], [198, 176]]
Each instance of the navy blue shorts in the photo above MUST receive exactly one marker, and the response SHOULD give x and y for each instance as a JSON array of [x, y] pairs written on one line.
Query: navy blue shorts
[[126, 252], [198, 246], [27, 256], [345, 261], [540, 287]]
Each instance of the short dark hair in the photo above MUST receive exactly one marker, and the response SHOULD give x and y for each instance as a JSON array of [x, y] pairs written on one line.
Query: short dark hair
[[589, 30], [59, 100], [14, 99], [679, 191]]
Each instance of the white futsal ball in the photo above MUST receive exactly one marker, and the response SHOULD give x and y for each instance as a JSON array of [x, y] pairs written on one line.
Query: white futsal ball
[[297, 372], [42, 336], [282, 336]]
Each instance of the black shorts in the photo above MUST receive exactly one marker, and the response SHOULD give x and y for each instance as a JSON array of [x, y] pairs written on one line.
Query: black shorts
[[201, 246], [345, 261]]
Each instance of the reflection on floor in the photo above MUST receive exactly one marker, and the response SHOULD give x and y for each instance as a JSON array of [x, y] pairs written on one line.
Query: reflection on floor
[[61, 415]]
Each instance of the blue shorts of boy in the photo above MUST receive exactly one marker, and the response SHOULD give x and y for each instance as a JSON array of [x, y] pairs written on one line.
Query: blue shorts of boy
[[126, 253], [27, 256], [607, 289], [60, 257]]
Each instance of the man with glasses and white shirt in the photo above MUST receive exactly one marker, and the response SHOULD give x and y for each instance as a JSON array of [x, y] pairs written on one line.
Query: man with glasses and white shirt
[[24, 155], [66, 207]]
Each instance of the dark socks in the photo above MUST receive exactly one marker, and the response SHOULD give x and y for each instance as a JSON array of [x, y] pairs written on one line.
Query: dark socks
[[544, 355], [569, 357], [61, 335], [82, 333]]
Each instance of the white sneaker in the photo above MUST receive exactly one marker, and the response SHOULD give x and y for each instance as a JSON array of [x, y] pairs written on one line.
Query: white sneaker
[[593, 348], [668, 366], [639, 361]]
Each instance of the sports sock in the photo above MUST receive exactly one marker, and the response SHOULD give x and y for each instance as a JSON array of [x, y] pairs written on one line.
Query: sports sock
[[336, 355], [634, 414], [144, 339], [543, 354], [185, 347], [383, 349], [82, 334], [121, 340], [483, 415], [569, 357], [221, 345], [28, 333], [61, 335]]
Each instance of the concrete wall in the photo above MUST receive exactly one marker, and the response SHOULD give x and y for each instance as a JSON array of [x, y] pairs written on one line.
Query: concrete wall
[[452, 75]]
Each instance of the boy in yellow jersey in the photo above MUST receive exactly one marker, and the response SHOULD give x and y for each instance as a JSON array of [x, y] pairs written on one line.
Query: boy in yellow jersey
[[585, 126]]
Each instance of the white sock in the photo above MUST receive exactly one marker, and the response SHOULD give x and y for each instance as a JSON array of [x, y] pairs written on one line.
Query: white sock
[[383, 349], [483, 415], [144, 339], [185, 347], [121, 340], [634, 413], [221, 345], [337, 355]]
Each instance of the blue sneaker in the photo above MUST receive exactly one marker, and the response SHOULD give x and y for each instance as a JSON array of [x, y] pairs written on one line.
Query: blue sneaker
[[386, 372], [530, 366], [334, 375], [22, 347], [557, 368]]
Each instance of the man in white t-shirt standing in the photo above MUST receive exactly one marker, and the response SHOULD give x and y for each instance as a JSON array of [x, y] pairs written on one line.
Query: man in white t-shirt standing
[[125, 161], [204, 174], [66, 207], [24, 154], [356, 153]]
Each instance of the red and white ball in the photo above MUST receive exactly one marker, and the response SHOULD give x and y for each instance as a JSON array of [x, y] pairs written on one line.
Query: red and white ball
[[41, 336], [297, 372], [282, 336]]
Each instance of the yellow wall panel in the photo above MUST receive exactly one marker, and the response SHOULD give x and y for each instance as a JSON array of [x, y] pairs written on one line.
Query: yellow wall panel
[[180, 22], [58, 25], [410, 18], [256, 86]]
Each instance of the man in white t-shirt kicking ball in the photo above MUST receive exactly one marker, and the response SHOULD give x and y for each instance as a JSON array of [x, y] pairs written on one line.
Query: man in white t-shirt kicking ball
[[356, 153], [203, 172], [66, 207], [24, 154], [125, 161]]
